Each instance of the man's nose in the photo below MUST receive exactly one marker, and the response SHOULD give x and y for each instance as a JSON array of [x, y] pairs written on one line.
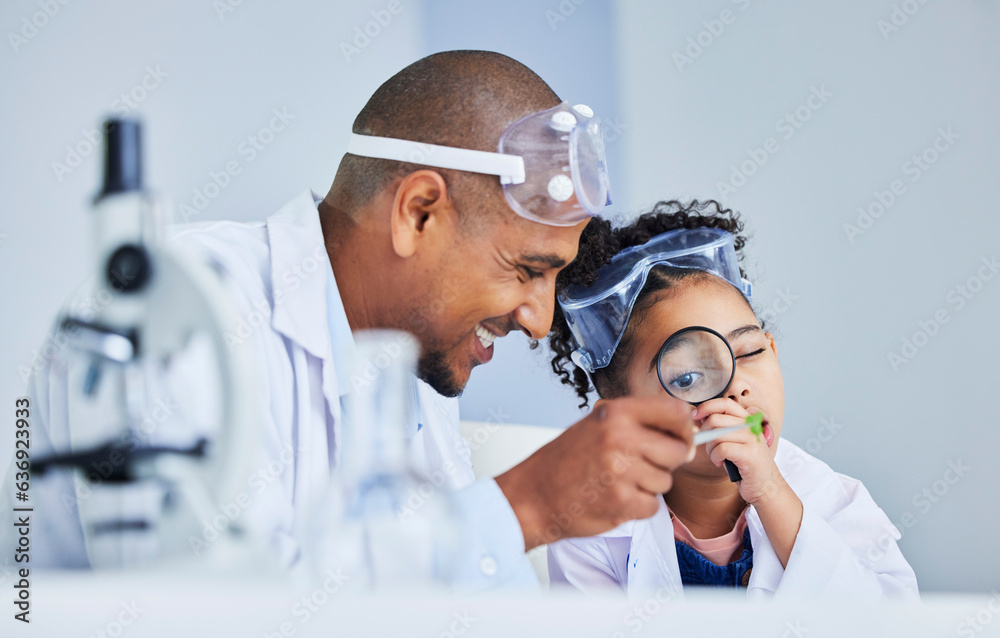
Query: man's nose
[[534, 317]]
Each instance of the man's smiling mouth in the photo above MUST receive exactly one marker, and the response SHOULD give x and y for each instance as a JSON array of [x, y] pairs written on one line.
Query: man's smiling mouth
[[485, 337]]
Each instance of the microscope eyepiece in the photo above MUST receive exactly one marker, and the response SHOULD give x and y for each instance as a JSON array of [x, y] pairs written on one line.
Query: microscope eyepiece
[[122, 157]]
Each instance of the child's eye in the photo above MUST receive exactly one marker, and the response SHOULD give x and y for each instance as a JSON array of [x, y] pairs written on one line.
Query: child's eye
[[751, 354], [686, 381]]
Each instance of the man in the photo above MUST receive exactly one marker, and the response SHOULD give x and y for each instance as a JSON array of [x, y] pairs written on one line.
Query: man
[[452, 257]]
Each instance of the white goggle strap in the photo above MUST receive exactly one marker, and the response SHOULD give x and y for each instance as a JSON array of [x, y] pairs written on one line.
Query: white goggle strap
[[582, 360], [509, 168]]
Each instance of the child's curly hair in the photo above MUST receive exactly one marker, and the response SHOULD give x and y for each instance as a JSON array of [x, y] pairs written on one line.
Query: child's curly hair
[[598, 244]]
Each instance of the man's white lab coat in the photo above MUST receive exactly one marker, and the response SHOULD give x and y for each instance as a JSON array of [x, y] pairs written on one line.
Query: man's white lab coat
[[288, 308], [845, 548]]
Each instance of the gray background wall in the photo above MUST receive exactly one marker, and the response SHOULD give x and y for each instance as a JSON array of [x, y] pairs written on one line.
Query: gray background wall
[[840, 307]]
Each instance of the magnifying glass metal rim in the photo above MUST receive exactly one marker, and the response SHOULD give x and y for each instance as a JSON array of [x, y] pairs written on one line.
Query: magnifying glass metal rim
[[659, 358]]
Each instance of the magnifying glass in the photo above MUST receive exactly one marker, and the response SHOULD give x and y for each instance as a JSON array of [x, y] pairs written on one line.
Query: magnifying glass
[[697, 364]]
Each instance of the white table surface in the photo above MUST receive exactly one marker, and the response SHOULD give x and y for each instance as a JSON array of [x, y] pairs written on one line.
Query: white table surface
[[67, 605]]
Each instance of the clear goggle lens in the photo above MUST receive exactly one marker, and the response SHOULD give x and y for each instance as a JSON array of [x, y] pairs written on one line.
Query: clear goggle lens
[[566, 178]]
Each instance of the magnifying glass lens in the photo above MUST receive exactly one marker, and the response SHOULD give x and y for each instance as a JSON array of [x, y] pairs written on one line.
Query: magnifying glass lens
[[695, 365]]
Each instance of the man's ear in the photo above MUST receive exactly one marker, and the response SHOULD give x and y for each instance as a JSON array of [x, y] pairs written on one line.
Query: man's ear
[[420, 209]]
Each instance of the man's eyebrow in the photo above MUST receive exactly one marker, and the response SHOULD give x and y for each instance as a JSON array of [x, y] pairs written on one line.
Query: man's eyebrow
[[552, 261], [747, 329]]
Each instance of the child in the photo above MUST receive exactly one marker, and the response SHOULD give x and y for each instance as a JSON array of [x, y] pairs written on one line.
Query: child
[[791, 525]]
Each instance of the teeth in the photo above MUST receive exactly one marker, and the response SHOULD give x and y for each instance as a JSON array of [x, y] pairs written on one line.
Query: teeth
[[485, 336]]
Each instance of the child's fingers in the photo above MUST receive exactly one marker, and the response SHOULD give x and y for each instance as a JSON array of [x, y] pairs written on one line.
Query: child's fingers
[[741, 437], [719, 452], [735, 451], [714, 421], [722, 405]]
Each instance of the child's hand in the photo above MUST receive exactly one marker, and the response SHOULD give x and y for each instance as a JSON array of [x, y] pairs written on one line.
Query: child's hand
[[751, 454], [763, 486]]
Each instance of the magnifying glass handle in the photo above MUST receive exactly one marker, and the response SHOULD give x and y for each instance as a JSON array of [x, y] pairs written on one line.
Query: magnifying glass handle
[[733, 471]]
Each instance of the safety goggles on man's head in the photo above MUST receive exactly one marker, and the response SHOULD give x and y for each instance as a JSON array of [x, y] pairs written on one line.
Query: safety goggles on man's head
[[598, 314], [551, 163]]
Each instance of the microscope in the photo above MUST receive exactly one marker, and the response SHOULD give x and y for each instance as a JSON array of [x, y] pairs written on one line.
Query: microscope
[[147, 495]]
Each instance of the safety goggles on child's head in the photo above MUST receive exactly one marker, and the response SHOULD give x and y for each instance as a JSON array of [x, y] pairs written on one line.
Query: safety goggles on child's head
[[598, 314], [551, 163]]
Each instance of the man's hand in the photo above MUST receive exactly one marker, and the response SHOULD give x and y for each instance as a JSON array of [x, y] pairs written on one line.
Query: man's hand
[[607, 469]]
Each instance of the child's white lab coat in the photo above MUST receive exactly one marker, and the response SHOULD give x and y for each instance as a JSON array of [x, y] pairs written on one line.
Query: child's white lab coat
[[845, 548]]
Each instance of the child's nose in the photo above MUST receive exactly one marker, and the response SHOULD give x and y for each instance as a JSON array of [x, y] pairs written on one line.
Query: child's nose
[[738, 389], [745, 393]]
